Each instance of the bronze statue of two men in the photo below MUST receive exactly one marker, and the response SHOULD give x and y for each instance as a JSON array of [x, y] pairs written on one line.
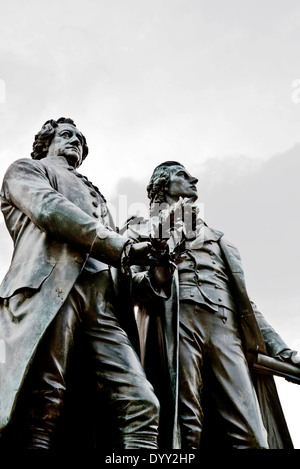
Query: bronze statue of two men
[[176, 374]]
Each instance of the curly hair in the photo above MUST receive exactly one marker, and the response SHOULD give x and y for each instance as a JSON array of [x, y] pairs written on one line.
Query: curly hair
[[159, 182], [43, 139]]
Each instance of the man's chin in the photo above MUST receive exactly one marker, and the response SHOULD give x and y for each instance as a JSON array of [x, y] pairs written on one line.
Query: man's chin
[[72, 158], [193, 196]]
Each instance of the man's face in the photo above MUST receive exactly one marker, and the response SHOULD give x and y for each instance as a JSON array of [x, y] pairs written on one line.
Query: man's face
[[181, 184], [67, 142]]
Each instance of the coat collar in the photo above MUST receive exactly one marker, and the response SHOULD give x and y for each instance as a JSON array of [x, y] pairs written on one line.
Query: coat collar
[[210, 234], [204, 234], [59, 161]]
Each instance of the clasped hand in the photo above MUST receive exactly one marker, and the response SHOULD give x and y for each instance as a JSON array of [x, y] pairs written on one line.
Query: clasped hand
[[156, 255]]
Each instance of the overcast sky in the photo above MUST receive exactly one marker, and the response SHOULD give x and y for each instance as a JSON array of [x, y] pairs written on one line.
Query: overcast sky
[[210, 84]]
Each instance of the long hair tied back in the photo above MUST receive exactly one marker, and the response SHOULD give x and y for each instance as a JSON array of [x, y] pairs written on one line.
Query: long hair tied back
[[159, 182]]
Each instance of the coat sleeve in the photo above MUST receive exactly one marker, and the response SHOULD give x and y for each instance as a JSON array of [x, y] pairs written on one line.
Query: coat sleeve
[[27, 187], [275, 345], [143, 286]]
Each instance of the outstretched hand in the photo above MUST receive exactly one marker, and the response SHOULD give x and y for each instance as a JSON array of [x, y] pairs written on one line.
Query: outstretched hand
[[293, 358]]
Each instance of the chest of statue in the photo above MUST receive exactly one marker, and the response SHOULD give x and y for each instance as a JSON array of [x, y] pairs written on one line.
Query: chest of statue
[[202, 275]]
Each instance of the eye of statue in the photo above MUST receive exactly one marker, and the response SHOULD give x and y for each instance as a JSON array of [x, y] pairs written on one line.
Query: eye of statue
[[65, 133]]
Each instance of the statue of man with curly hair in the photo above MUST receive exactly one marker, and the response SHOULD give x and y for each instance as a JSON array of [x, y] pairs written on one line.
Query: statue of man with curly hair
[[59, 285], [200, 341]]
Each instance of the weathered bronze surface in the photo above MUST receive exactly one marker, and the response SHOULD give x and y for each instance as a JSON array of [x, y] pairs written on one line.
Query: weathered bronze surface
[[58, 294], [75, 358], [201, 334]]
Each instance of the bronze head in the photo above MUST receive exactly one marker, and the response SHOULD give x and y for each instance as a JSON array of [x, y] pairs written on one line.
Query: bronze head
[[45, 136], [169, 181]]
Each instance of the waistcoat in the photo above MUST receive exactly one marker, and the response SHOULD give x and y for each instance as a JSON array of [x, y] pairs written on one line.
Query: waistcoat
[[202, 272]]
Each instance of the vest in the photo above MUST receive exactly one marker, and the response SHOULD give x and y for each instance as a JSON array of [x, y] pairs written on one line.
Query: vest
[[202, 272]]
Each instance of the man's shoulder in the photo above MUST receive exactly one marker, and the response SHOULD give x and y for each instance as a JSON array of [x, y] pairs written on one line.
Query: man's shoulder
[[229, 248], [21, 165], [24, 162], [43, 165], [229, 243], [220, 235], [224, 242]]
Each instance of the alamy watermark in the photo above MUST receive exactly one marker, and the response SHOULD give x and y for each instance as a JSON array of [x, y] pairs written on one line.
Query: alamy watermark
[[2, 91], [295, 96], [158, 221]]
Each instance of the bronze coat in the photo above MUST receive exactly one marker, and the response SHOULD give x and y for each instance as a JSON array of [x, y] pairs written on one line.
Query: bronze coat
[[49, 212], [158, 321]]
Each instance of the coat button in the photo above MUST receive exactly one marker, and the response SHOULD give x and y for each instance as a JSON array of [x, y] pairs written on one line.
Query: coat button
[[102, 233], [93, 193], [95, 214], [95, 203]]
